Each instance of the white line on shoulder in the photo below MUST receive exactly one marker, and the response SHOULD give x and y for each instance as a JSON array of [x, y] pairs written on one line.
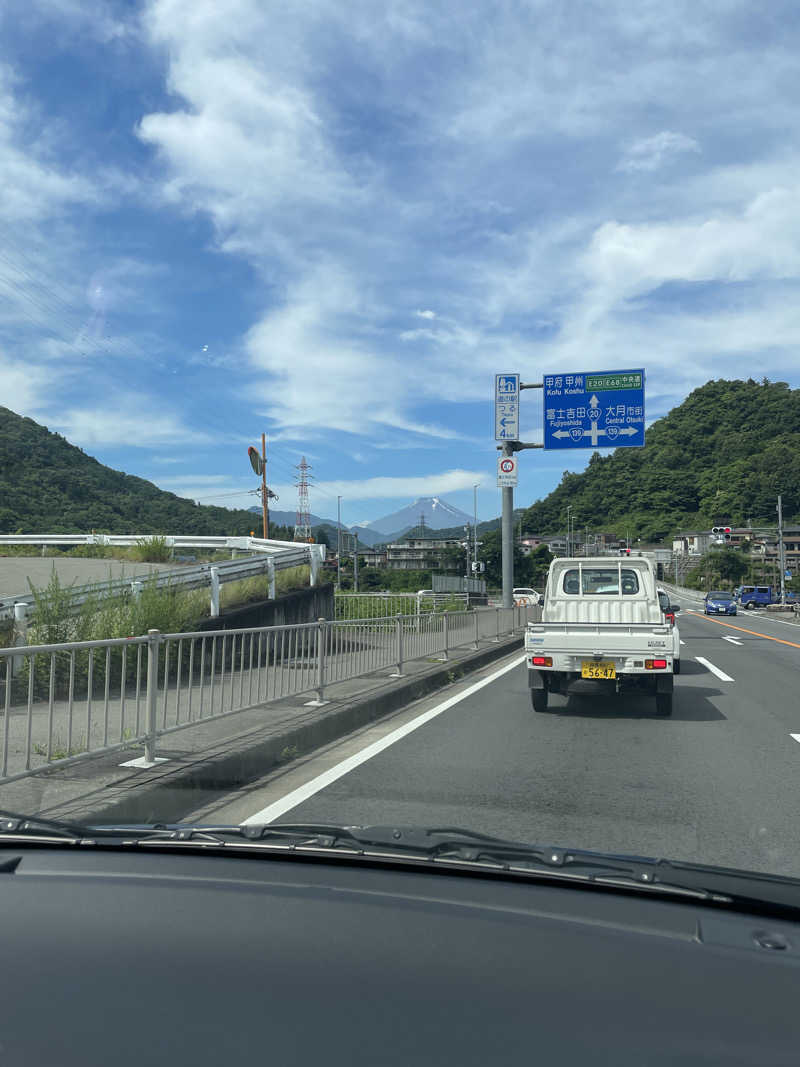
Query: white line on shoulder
[[304, 792]]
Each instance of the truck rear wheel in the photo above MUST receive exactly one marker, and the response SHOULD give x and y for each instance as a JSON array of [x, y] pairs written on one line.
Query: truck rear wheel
[[663, 704], [539, 699], [676, 666]]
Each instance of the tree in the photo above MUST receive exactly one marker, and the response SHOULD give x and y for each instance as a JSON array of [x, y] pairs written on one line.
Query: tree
[[491, 555]]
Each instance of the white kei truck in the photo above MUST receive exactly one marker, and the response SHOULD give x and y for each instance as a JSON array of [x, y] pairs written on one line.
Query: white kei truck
[[602, 621]]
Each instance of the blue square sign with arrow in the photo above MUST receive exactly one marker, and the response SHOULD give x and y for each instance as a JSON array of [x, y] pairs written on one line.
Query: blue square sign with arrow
[[594, 409]]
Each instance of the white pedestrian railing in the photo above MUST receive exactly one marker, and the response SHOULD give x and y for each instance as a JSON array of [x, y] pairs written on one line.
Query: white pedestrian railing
[[384, 605], [61, 703]]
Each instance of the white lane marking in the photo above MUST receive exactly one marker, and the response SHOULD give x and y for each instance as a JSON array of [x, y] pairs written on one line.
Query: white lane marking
[[733, 640], [304, 792], [682, 641], [795, 736], [714, 670]]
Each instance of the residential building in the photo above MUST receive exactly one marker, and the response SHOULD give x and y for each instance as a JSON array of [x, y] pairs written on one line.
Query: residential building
[[420, 553]]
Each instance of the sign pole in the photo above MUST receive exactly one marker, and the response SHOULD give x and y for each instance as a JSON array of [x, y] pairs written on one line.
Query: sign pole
[[507, 538], [264, 504]]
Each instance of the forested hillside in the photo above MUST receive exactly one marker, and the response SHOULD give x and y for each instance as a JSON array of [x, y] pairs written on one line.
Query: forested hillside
[[48, 485], [723, 455]]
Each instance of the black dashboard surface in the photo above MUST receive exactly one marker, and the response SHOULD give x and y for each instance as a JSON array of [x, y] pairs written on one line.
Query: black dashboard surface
[[123, 958]]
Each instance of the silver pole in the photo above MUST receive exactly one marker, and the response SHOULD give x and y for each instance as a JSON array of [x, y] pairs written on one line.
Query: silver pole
[[338, 543], [475, 526], [153, 639], [507, 538]]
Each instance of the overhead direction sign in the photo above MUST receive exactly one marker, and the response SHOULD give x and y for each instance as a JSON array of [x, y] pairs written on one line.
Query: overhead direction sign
[[506, 472], [506, 407], [594, 409]]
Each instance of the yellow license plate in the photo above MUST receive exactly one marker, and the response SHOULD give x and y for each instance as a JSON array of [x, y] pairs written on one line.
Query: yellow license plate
[[598, 669]]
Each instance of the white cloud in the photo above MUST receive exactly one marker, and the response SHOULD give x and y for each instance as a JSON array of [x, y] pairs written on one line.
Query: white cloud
[[426, 314], [133, 420], [23, 386], [391, 487], [650, 153], [33, 186]]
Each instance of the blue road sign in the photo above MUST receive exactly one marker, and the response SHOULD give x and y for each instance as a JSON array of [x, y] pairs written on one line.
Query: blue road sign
[[506, 407], [594, 409]]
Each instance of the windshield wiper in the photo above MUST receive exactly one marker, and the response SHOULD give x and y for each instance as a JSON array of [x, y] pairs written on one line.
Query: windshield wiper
[[445, 846]]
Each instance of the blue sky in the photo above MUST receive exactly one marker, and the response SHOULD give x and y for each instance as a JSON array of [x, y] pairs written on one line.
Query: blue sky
[[335, 222]]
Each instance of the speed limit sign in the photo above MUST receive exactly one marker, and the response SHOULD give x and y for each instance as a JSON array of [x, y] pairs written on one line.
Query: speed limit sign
[[506, 472]]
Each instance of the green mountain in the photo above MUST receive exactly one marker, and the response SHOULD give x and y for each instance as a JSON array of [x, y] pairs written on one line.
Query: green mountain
[[48, 485], [722, 456]]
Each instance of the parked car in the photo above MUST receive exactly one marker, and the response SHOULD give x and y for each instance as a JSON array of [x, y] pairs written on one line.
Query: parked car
[[524, 595], [719, 604]]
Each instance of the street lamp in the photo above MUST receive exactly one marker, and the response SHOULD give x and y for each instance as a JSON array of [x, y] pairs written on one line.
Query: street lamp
[[569, 509]]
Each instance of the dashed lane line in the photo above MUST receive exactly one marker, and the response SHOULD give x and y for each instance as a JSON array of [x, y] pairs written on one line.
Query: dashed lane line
[[714, 670]]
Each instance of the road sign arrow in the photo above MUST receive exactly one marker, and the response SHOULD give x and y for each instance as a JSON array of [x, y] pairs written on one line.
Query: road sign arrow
[[505, 422], [594, 401], [561, 433], [628, 432]]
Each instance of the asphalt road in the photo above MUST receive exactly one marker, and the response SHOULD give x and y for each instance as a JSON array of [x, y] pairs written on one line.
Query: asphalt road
[[718, 782]]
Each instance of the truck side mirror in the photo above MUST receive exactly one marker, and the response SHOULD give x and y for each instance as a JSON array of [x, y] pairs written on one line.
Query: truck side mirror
[[674, 607]]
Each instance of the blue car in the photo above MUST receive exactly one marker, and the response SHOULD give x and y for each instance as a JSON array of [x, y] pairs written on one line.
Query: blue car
[[719, 604]]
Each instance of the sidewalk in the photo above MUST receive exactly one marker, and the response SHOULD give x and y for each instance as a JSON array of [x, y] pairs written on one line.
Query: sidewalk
[[218, 756]]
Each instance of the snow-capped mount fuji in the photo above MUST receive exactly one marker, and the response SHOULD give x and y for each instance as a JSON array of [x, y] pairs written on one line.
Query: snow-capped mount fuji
[[438, 515]]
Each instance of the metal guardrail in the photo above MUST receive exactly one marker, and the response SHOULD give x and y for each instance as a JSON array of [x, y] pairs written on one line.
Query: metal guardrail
[[382, 605], [62, 703], [284, 556]]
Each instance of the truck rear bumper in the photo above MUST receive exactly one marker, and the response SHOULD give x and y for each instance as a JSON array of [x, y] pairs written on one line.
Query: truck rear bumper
[[663, 681]]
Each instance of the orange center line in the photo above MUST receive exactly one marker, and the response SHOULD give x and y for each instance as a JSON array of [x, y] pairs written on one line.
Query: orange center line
[[755, 633]]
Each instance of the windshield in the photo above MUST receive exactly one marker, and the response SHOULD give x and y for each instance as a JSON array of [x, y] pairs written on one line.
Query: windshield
[[600, 581], [381, 386]]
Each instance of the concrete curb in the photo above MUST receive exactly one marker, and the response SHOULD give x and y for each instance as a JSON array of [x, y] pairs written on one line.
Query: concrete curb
[[170, 795]]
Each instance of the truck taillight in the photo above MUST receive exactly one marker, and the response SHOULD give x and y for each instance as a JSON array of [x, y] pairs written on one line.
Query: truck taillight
[[541, 661], [655, 664]]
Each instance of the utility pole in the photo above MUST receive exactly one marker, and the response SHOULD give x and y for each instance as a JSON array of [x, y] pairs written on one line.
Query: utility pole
[[355, 563], [781, 553], [569, 542], [338, 542], [466, 546], [264, 498]]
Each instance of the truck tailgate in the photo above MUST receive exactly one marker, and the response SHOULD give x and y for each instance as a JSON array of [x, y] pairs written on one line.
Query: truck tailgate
[[598, 639]]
